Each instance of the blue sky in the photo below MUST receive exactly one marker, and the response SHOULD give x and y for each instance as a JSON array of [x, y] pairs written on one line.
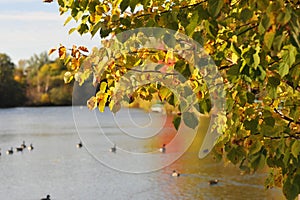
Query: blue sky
[[29, 27]]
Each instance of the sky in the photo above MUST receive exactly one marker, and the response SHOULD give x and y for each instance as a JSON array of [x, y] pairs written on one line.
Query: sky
[[29, 27]]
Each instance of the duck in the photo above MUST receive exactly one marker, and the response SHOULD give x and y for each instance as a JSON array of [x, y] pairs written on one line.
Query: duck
[[113, 149], [213, 182], [19, 149], [79, 145], [30, 147], [175, 174], [47, 197], [10, 151], [163, 148], [23, 145]]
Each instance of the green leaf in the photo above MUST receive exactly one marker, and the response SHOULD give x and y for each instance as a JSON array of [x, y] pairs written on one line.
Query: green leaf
[[215, 6], [176, 122], [105, 32], [202, 13], [264, 24], [283, 69], [267, 130], [270, 121], [255, 147], [124, 4], [169, 40], [258, 161], [284, 17], [250, 97], [273, 81], [268, 38], [83, 4], [288, 59], [164, 93], [235, 155], [96, 28], [235, 49], [262, 4], [82, 28], [246, 14], [277, 44], [171, 99], [210, 29], [190, 119], [133, 4], [296, 148], [290, 190], [234, 70], [251, 125], [256, 59], [193, 23], [125, 21], [249, 111]]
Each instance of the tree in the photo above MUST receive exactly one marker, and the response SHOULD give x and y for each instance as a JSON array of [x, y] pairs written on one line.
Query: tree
[[255, 46], [12, 92], [44, 81]]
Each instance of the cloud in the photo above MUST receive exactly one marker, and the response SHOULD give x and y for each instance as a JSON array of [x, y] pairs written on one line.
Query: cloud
[[17, 1], [31, 16]]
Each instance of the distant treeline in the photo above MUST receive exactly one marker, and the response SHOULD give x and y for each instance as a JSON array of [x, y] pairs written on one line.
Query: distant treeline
[[37, 81]]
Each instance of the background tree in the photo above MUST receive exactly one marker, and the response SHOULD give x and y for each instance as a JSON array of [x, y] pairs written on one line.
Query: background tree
[[255, 45], [12, 91], [44, 81]]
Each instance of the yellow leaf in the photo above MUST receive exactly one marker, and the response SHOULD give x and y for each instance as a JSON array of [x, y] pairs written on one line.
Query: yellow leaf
[[68, 77], [92, 103], [62, 52], [94, 18], [84, 49], [51, 51], [102, 102], [75, 64]]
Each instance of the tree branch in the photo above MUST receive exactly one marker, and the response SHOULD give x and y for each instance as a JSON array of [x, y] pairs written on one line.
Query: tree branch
[[296, 136], [149, 71], [170, 10], [285, 117], [248, 29]]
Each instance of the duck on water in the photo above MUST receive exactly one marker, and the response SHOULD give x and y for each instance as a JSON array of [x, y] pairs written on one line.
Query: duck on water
[[10, 151], [163, 148], [113, 149], [30, 147], [47, 198]]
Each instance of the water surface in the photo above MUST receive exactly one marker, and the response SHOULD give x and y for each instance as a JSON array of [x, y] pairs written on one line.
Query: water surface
[[58, 168]]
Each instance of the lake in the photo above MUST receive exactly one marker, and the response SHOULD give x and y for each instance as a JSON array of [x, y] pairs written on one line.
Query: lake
[[136, 171]]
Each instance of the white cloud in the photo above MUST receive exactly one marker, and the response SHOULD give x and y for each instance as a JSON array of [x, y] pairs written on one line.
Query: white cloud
[[31, 16], [17, 1]]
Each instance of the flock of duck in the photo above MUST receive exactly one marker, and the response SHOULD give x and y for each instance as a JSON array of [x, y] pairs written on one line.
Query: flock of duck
[[162, 150], [79, 145], [18, 149]]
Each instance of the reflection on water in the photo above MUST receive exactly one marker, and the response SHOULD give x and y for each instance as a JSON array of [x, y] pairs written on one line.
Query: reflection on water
[[58, 168]]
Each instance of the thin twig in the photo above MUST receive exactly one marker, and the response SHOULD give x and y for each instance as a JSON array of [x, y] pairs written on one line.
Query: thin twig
[[170, 10], [248, 29], [286, 117]]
